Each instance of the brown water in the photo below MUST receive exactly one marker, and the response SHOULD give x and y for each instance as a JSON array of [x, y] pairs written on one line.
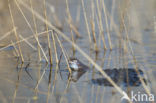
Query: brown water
[[19, 84]]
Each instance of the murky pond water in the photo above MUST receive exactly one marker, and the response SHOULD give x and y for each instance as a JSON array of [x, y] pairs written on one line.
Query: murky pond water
[[35, 81]]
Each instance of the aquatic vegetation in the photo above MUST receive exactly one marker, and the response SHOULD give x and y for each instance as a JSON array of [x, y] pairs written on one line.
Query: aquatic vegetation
[[111, 44]]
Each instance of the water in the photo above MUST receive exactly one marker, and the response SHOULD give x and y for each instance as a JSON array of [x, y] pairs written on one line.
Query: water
[[34, 81]]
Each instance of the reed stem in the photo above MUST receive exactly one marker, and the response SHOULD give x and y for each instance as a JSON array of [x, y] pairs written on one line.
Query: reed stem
[[48, 38], [15, 32]]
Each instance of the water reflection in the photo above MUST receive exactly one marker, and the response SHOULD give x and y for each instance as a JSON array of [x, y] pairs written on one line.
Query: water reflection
[[123, 76], [75, 75], [78, 69]]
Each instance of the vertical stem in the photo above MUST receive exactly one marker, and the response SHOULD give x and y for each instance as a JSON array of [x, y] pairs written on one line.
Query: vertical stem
[[100, 24], [35, 27], [49, 47], [86, 21], [93, 27], [54, 44], [63, 53], [15, 31], [73, 42], [107, 28]]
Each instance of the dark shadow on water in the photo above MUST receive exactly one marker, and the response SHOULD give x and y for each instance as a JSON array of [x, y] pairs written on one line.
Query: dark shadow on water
[[75, 75], [123, 76]]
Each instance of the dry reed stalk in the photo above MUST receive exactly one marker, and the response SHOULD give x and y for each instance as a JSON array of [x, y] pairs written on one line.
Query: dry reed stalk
[[93, 34], [75, 30], [103, 60], [15, 32], [147, 89], [100, 34], [64, 53], [27, 42], [23, 41], [59, 65], [54, 82], [54, 16], [79, 49], [93, 27], [78, 15], [120, 51], [135, 61], [107, 28], [112, 14], [24, 16], [36, 35], [70, 20], [7, 34], [17, 53], [70, 25], [114, 25], [68, 12], [93, 69], [85, 91], [58, 23], [39, 46], [97, 94], [40, 79], [55, 78], [141, 78], [73, 48], [24, 86], [109, 59], [39, 71], [17, 83], [86, 21], [49, 83], [65, 91], [125, 63], [35, 27], [125, 48], [54, 45], [101, 24], [48, 38]]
